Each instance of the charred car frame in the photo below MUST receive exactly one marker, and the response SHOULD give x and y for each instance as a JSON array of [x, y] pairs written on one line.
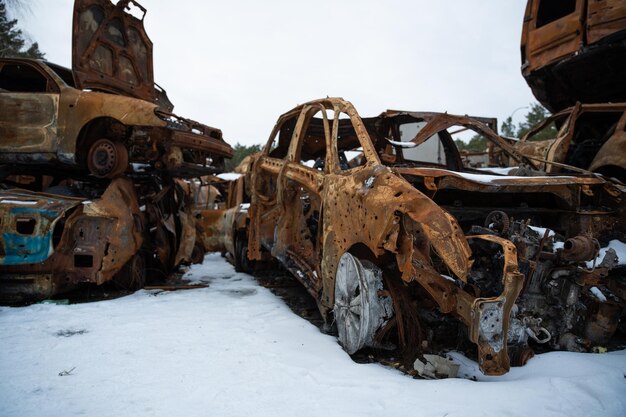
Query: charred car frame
[[383, 225]]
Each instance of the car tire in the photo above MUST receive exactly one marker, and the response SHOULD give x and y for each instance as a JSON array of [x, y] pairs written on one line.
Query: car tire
[[242, 263], [132, 276]]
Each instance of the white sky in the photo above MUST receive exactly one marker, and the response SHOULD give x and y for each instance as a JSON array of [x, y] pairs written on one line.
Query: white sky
[[239, 64]]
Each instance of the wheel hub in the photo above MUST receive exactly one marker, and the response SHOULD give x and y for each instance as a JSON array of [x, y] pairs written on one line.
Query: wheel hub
[[107, 158], [359, 311]]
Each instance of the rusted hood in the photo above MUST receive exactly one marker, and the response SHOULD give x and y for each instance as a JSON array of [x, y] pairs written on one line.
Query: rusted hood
[[500, 180], [28, 221], [566, 188], [111, 50]]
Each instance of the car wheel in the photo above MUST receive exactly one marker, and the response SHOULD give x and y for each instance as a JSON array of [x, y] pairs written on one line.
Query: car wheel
[[359, 311], [132, 277], [107, 159], [242, 263], [197, 255]]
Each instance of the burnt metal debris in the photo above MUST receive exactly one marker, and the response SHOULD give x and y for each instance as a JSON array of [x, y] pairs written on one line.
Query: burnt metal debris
[[94, 165], [395, 238]]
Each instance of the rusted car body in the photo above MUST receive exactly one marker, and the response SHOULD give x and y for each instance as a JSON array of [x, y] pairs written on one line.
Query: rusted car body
[[574, 50], [380, 221], [51, 242], [222, 227], [104, 113], [590, 136]]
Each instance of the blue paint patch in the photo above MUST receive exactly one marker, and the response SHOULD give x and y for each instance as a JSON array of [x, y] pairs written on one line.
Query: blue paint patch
[[20, 249], [32, 210]]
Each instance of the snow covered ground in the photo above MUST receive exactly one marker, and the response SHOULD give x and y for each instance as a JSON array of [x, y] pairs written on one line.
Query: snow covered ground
[[235, 349]]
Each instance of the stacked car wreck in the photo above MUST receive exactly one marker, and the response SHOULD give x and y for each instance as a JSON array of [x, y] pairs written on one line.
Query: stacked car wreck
[[573, 59], [394, 237], [93, 160]]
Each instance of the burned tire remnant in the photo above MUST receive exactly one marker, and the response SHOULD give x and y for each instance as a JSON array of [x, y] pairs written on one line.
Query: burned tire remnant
[[132, 277], [242, 263]]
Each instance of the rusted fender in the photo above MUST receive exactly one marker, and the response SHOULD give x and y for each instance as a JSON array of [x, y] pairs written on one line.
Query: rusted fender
[[119, 202], [372, 215], [28, 221], [443, 232]]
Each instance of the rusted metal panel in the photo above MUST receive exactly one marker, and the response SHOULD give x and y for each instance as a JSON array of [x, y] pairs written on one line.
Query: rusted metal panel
[[28, 221], [479, 249], [604, 17], [111, 50], [550, 40], [31, 119]]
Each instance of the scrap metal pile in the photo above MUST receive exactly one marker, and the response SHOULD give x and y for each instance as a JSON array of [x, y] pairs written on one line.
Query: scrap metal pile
[[92, 163], [404, 244]]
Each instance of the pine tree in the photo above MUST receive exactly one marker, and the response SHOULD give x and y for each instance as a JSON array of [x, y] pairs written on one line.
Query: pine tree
[[536, 115], [240, 152], [12, 43]]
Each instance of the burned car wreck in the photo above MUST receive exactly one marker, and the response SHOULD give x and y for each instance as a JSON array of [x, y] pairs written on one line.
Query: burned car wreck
[[398, 241], [221, 226], [590, 136], [106, 111], [51, 242]]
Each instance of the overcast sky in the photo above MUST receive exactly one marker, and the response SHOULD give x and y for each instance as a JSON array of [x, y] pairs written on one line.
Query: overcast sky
[[239, 64]]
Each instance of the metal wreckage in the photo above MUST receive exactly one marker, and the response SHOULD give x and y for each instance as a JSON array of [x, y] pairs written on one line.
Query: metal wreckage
[[385, 223], [398, 241], [93, 162]]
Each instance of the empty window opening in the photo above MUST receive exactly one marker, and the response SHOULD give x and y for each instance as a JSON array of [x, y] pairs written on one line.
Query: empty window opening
[[83, 261], [349, 147], [550, 10], [25, 225], [280, 142], [20, 78], [430, 151], [312, 144]]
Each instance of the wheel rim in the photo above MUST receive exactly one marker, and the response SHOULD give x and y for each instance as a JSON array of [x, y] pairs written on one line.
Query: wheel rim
[[107, 159], [351, 304]]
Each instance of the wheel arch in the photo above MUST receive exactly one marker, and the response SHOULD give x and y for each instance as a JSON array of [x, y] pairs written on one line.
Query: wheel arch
[[94, 129]]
